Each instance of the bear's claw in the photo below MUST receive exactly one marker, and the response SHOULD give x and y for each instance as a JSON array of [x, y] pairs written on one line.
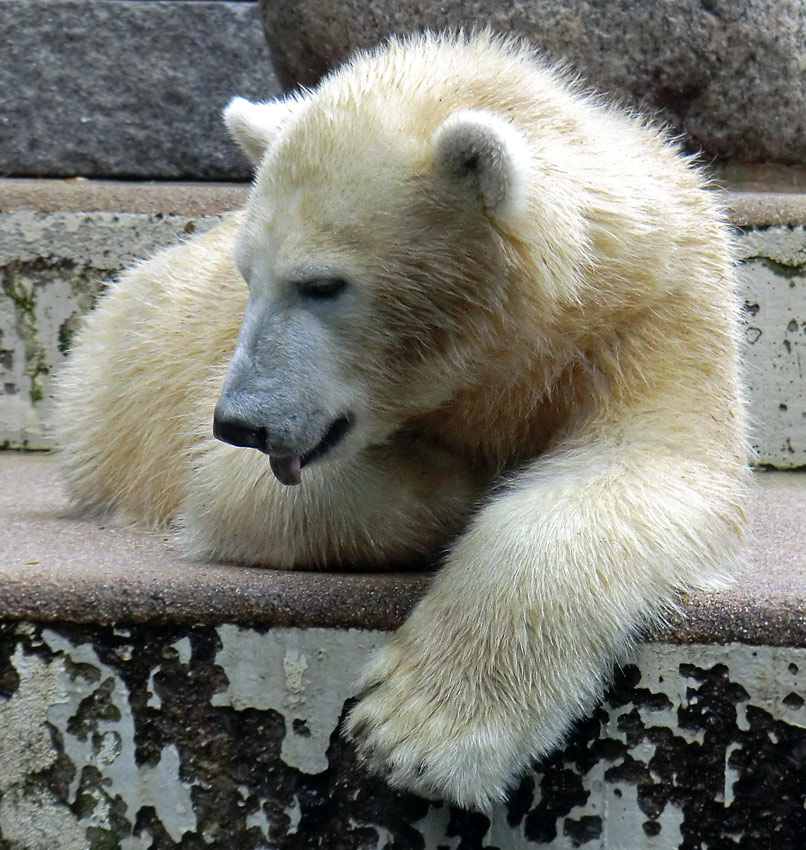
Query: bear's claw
[[409, 733]]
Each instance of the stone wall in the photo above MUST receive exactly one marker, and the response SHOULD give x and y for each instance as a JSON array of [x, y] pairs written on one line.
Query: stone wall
[[127, 88], [728, 75]]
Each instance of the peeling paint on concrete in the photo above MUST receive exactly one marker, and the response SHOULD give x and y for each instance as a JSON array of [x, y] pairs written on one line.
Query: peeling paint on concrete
[[774, 357], [316, 672], [89, 704], [294, 666], [162, 788], [259, 820], [154, 700], [94, 703], [53, 266], [35, 820], [184, 649], [697, 746], [25, 740]]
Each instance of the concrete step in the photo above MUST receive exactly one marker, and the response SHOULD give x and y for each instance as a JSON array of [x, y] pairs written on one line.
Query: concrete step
[[60, 241], [149, 702]]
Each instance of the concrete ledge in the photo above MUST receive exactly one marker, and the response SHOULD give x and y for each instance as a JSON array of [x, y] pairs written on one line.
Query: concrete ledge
[[57, 568], [760, 197], [154, 198], [54, 567], [751, 199], [765, 209]]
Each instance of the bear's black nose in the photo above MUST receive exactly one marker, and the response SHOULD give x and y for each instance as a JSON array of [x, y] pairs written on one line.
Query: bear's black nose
[[239, 433]]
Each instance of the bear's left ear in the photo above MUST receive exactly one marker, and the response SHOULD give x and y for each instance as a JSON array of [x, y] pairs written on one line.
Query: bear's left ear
[[487, 154], [254, 126]]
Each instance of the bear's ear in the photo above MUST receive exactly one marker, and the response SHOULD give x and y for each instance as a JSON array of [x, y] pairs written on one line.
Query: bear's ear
[[253, 126], [487, 154]]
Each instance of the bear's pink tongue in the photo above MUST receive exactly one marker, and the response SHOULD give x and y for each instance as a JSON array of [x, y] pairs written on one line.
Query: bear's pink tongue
[[287, 470]]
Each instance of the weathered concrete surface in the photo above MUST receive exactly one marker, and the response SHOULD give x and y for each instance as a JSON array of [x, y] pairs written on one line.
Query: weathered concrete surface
[[752, 209], [82, 195], [60, 242], [132, 88], [729, 74], [753, 197], [53, 266], [161, 737], [761, 195], [774, 275], [53, 567]]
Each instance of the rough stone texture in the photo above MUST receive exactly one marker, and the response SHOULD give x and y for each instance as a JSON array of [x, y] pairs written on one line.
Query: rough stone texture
[[53, 266], [78, 194], [131, 88], [137, 737], [758, 196], [54, 567], [774, 273], [749, 209], [730, 74]]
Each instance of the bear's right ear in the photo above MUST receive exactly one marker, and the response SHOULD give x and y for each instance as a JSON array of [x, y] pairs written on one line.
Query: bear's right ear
[[253, 126], [488, 156]]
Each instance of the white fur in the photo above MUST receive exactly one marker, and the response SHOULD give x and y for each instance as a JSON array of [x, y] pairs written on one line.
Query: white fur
[[254, 125], [540, 353]]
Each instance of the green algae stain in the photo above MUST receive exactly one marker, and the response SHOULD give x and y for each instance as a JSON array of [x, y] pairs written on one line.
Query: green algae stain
[[19, 288], [67, 330], [23, 283], [102, 839]]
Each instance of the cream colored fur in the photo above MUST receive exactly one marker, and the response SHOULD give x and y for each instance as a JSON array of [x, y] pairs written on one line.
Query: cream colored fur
[[538, 341]]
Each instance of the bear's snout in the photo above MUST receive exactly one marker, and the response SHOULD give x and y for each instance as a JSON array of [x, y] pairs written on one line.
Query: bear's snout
[[287, 456]]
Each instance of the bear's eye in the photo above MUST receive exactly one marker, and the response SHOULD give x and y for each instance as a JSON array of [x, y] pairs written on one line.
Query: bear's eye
[[322, 287]]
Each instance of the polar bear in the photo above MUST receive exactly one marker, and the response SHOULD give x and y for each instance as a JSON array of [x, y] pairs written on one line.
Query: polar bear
[[483, 312]]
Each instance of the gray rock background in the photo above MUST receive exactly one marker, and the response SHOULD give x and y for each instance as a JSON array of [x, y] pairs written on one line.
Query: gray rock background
[[729, 74], [127, 88], [134, 88]]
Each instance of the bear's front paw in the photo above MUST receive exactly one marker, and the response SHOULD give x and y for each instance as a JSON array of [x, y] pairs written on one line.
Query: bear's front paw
[[426, 727]]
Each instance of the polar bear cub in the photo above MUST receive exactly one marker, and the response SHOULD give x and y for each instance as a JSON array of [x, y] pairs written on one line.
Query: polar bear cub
[[468, 308]]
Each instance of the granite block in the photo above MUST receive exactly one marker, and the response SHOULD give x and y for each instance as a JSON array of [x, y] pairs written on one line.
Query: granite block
[[728, 74], [128, 88]]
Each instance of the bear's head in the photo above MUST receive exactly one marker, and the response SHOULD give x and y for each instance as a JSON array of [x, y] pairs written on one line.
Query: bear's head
[[379, 245]]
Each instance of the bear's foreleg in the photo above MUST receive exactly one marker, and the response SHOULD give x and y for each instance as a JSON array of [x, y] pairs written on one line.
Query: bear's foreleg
[[550, 584]]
